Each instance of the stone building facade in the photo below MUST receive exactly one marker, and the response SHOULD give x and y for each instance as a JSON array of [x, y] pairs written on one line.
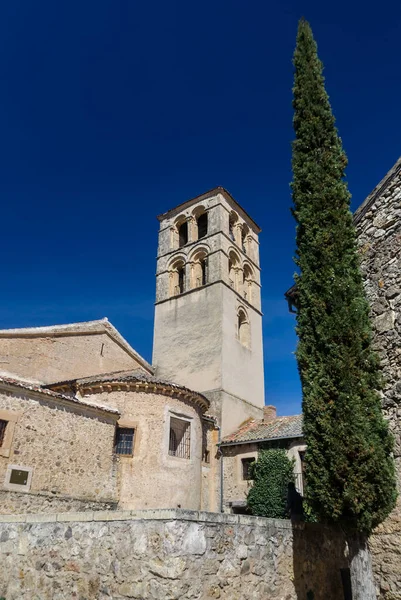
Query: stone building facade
[[50, 444], [86, 423], [378, 224], [242, 447]]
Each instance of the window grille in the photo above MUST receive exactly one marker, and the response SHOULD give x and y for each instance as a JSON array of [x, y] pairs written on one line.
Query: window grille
[[124, 441], [246, 468], [180, 438], [3, 425]]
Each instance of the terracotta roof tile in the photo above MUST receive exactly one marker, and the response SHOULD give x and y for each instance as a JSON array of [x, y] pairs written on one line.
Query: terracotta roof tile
[[127, 376], [56, 395], [258, 430]]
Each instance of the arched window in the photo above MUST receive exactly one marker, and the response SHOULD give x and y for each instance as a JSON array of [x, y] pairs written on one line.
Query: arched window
[[244, 238], [232, 221], [199, 223], [177, 278], [181, 279], [204, 270], [244, 331], [233, 264], [247, 282], [183, 234], [199, 269], [202, 225]]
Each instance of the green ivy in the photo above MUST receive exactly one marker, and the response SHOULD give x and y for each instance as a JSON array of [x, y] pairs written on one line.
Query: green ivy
[[271, 474]]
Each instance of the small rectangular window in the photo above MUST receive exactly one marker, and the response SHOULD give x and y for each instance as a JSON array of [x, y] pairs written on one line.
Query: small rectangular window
[[206, 456], [3, 426], [246, 468], [19, 477], [180, 438], [124, 441]]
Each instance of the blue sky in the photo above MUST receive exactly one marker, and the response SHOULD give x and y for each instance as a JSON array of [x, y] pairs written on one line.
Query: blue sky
[[113, 112]]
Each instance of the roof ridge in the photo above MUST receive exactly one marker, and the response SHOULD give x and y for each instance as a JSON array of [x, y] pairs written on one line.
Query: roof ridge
[[62, 326], [377, 191], [80, 327]]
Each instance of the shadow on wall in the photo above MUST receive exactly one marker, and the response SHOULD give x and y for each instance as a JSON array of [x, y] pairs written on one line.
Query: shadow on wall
[[320, 562]]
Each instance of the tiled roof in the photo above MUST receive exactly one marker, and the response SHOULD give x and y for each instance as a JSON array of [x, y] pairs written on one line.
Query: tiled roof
[[10, 381], [135, 375], [257, 430]]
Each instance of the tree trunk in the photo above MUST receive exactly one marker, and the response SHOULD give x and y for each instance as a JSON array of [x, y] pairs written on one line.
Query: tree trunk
[[362, 583]]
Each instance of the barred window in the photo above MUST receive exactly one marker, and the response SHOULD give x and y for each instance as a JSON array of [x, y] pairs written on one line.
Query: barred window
[[180, 438], [124, 441], [3, 425], [246, 468]]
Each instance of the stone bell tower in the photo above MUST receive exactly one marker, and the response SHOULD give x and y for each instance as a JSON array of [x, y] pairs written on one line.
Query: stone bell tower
[[208, 320]]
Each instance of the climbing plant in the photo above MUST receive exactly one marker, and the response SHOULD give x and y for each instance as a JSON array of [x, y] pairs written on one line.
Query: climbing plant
[[271, 473]]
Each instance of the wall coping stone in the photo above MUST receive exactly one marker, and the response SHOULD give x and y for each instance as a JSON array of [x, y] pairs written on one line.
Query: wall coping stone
[[153, 515]]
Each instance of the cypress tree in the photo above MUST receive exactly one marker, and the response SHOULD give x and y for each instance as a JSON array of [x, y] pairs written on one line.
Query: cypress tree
[[349, 465]]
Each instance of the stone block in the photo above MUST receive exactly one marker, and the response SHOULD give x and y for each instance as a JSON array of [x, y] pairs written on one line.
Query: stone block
[[74, 516], [12, 518], [41, 518], [112, 515]]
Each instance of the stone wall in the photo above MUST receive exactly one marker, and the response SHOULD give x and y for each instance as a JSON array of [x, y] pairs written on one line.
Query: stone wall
[[12, 503], [167, 555], [68, 450], [378, 223], [151, 478], [236, 488], [53, 358]]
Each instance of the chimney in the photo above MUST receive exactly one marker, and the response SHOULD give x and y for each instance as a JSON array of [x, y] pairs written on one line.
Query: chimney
[[269, 413]]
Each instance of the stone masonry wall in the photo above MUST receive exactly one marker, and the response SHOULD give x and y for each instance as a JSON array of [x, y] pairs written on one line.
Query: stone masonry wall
[[378, 223], [57, 358], [12, 503], [69, 450], [167, 555]]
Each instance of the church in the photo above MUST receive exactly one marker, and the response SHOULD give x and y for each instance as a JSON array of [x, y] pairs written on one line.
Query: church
[[87, 424]]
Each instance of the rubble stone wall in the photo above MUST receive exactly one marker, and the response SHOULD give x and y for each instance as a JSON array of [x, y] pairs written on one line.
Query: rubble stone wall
[[69, 450], [167, 554], [378, 223], [13, 503]]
